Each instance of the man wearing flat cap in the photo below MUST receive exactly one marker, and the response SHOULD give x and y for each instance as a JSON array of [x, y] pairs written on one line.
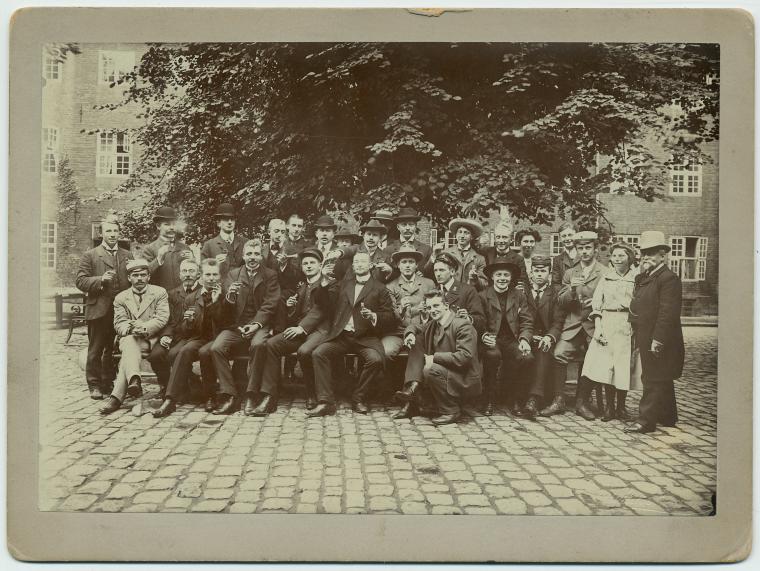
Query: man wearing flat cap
[[578, 285], [656, 320], [227, 247], [166, 253], [406, 223], [102, 274], [140, 313], [470, 264], [507, 336], [305, 330]]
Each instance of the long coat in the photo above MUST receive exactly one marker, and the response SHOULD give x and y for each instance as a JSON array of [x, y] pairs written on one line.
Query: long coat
[[656, 314], [153, 312], [215, 246], [340, 297], [94, 263], [455, 348], [167, 274], [265, 290], [548, 315], [576, 301], [519, 315], [560, 264]]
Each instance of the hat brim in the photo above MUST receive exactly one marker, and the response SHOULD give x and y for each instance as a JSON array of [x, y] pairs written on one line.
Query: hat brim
[[407, 218], [475, 228], [655, 247], [396, 256], [514, 271], [382, 230], [325, 227], [223, 215]]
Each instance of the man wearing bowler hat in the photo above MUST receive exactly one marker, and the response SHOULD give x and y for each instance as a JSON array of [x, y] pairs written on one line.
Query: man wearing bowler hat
[[507, 336], [406, 223], [385, 217], [102, 274], [656, 321], [470, 263], [227, 247], [372, 234], [166, 253], [344, 237]]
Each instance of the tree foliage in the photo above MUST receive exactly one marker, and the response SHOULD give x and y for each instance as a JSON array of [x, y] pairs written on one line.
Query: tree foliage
[[450, 129], [69, 203]]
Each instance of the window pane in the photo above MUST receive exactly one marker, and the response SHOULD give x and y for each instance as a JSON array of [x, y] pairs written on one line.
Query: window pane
[[688, 269], [691, 247]]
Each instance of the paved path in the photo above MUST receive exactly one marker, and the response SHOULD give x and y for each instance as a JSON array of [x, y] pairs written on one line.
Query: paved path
[[193, 461]]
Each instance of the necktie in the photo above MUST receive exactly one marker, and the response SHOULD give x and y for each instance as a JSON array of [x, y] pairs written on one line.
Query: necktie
[[537, 295], [139, 299]]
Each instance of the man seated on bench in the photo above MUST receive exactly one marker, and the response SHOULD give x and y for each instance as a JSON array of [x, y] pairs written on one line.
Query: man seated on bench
[[306, 330], [361, 311], [201, 322], [140, 313], [444, 357]]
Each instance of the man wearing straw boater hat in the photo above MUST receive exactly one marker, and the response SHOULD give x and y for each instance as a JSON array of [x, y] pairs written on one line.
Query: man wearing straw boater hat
[[578, 285], [227, 247], [470, 263], [406, 223], [165, 254], [656, 320]]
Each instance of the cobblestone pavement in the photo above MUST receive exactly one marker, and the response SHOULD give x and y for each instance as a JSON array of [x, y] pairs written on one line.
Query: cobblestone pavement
[[197, 462]]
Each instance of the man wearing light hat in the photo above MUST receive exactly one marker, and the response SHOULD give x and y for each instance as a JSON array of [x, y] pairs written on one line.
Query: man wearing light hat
[[406, 223], [656, 321], [227, 247], [140, 313], [470, 263], [166, 253], [578, 285]]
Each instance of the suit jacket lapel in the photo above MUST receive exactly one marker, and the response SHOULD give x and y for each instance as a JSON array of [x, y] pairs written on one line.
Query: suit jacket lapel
[[147, 300], [131, 303], [106, 257], [365, 291]]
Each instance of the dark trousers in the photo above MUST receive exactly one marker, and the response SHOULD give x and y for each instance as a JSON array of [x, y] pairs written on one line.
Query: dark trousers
[[222, 349], [434, 378], [160, 362], [182, 356], [505, 362], [543, 374], [658, 402], [99, 370], [264, 373], [371, 367]]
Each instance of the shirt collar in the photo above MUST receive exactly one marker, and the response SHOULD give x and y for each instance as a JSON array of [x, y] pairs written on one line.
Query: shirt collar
[[227, 237], [446, 319], [449, 284], [362, 281], [314, 279], [657, 269]]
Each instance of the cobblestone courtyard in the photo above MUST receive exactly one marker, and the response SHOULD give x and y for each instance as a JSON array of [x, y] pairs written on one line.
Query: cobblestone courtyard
[[198, 462]]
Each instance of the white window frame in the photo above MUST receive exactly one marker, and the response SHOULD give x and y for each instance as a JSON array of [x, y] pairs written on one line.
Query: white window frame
[[630, 239], [47, 247], [690, 175], [433, 236], [113, 65], [678, 260], [555, 246], [96, 230], [51, 65], [50, 148], [108, 155]]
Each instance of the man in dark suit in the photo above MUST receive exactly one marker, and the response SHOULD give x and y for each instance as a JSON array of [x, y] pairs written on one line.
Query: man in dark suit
[[166, 253], [656, 320], [102, 274], [248, 311], [227, 247], [304, 332], [507, 336], [200, 321], [295, 240], [444, 357], [170, 337], [406, 222], [372, 233], [461, 298], [527, 239], [502, 249], [568, 258], [362, 312]]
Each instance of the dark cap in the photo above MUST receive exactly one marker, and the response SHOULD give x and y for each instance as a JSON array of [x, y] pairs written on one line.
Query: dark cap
[[407, 213], [374, 225], [447, 259], [345, 232], [310, 253], [540, 262], [225, 210], [502, 264], [165, 213], [325, 222]]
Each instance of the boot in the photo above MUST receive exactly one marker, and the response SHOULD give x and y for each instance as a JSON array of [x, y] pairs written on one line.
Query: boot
[[210, 402], [582, 394], [407, 393], [167, 407], [227, 405], [112, 404], [609, 403], [598, 391], [557, 406], [267, 405], [406, 411], [620, 412], [531, 408], [249, 405]]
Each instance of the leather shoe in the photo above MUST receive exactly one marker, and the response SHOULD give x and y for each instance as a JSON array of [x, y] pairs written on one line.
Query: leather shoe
[[445, 419], [210, 403], [360, 408], [311, 402], [111, 405], [228, 405], [638, 428], [406, 411], [407, 393], [96, 393], [488, 409], [250, 405], [167, 407], [557, 406], [134, 389], [516, 409], [266, 406], [322, 409], [531, 409], [582, 410]]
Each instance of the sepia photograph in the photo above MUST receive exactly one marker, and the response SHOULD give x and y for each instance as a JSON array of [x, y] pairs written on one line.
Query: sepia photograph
[[365, 279]]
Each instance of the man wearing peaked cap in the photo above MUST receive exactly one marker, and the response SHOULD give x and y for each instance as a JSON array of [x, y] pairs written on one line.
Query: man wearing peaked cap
[[166, 253], [470, 263], [406, 223], [227, 247], [656, 321]]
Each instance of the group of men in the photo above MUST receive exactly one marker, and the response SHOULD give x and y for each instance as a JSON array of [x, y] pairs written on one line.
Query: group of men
[[472, 317]]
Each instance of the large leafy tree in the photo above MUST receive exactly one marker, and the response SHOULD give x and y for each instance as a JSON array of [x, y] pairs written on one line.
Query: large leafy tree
[[447, 128]]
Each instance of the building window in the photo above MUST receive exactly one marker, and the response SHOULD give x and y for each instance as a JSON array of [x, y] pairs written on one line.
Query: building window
[[450, 239], [51, 69], [630, 239], [688, 257], [47, 245], [113, 154], [686, 178], [555, 246], [49, 149], [97, 230], [433, 236], [115, 65]]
